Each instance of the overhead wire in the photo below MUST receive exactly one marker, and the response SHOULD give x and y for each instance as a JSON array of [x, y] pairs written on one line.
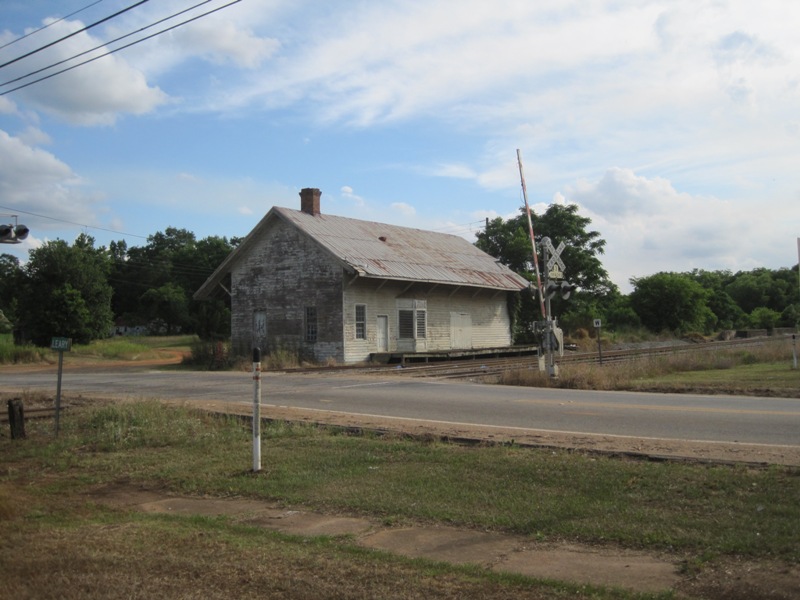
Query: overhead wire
[[19, 87], [175, 268], [50, 24], [24, 212], [127, 35], [74, 33], [180, 269]]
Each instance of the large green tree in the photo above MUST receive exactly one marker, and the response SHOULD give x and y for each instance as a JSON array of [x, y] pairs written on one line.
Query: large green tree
[[10, 280], [65, 292], [672, 302], [155, 282], [509, 241], [752, 298], [728, 313], [763, 288]]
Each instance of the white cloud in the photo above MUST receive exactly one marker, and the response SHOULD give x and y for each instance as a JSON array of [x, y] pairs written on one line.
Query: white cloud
[[38, 182], [454, 171], [93, 94], [668, 121], [404, 209], [349, 194], [649, 226], [7, 107], [33, 136], [222, 42]]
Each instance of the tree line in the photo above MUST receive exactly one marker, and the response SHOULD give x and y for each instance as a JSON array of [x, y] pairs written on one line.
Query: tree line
[[677, 303], [86, 292]]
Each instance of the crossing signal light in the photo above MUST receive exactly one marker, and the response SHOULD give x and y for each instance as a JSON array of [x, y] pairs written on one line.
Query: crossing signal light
[[564, 289], [13, 234]]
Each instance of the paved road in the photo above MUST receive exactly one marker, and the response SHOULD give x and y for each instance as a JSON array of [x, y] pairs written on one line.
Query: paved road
[[671, 416]]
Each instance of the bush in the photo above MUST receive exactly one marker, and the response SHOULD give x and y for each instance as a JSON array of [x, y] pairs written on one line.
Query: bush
[[213, 355], [10, 353], [281, 358]]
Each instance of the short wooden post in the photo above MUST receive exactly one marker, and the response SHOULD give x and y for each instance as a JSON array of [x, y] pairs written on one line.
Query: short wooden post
[[16, 418]]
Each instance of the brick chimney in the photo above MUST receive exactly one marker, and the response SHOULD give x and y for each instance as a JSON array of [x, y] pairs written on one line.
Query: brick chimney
[[309, 200]]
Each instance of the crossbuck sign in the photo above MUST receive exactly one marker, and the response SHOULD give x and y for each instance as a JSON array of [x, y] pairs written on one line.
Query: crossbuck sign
[[555, 266]]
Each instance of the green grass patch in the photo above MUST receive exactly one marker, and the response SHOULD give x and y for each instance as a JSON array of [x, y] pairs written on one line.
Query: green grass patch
[[761, 370], [132, 347], [165, 557], [748, 376], [60, 542], [13, 354], [116, 348], [541, 493]]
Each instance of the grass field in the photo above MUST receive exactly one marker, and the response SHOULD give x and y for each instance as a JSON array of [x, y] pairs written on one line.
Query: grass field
[[115, 348], [60, 543], [759, 370]]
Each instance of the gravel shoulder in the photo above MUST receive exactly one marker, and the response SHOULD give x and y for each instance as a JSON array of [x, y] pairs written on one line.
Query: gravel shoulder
[[635, 447]]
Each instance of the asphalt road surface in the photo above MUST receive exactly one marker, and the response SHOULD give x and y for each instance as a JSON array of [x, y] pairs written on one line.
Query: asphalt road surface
[[753, 420]]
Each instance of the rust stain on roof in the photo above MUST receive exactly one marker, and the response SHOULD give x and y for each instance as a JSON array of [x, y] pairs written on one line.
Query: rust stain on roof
[[380, 251], [404, 253]]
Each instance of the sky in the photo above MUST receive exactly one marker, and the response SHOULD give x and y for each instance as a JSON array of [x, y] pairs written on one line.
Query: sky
[[674, 125]]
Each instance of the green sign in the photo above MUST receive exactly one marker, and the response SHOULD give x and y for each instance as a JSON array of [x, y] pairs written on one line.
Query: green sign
[[61, 344]]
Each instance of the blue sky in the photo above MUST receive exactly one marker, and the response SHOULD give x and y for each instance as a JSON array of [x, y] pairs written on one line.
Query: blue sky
[[674, 125]]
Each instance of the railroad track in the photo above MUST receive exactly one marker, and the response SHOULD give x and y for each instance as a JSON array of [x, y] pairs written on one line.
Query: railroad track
[[472, 368]]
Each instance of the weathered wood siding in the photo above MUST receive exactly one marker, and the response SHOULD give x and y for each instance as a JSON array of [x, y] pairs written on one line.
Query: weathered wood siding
[[487, 310], [282, 274]]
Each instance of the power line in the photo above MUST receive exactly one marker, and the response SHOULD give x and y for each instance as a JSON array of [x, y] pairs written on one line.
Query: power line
[[43, 27], [127, 35], [19, 87], [23, 212], [53, 43]]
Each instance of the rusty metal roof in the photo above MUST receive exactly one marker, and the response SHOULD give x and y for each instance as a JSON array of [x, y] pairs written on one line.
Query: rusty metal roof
[[377, 250], [392, 252]]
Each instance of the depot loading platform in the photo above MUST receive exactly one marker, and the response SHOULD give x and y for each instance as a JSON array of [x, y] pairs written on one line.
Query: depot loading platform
[[391, 358]]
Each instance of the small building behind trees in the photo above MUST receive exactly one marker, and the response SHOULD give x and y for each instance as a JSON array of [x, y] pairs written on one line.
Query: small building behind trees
[[339, 289]]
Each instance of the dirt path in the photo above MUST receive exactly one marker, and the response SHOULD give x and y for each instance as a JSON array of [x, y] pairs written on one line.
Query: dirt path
[[608, 566]]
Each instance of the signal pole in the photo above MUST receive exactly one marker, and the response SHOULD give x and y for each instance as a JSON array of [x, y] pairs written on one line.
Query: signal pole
[[554, 272]]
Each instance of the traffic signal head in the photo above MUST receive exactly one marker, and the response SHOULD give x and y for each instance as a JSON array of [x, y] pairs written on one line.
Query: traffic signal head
[[563, 288], [13, 234], [566, 289]]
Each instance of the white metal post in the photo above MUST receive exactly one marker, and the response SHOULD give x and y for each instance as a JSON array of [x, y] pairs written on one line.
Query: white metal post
[[256, 409], [58, 389]]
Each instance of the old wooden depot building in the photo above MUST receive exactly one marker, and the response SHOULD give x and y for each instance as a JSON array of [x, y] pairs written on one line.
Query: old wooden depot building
[[343, 290]]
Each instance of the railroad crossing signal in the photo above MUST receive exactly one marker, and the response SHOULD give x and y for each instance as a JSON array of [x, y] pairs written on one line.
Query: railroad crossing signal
[[555, 266], [551, 335]]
